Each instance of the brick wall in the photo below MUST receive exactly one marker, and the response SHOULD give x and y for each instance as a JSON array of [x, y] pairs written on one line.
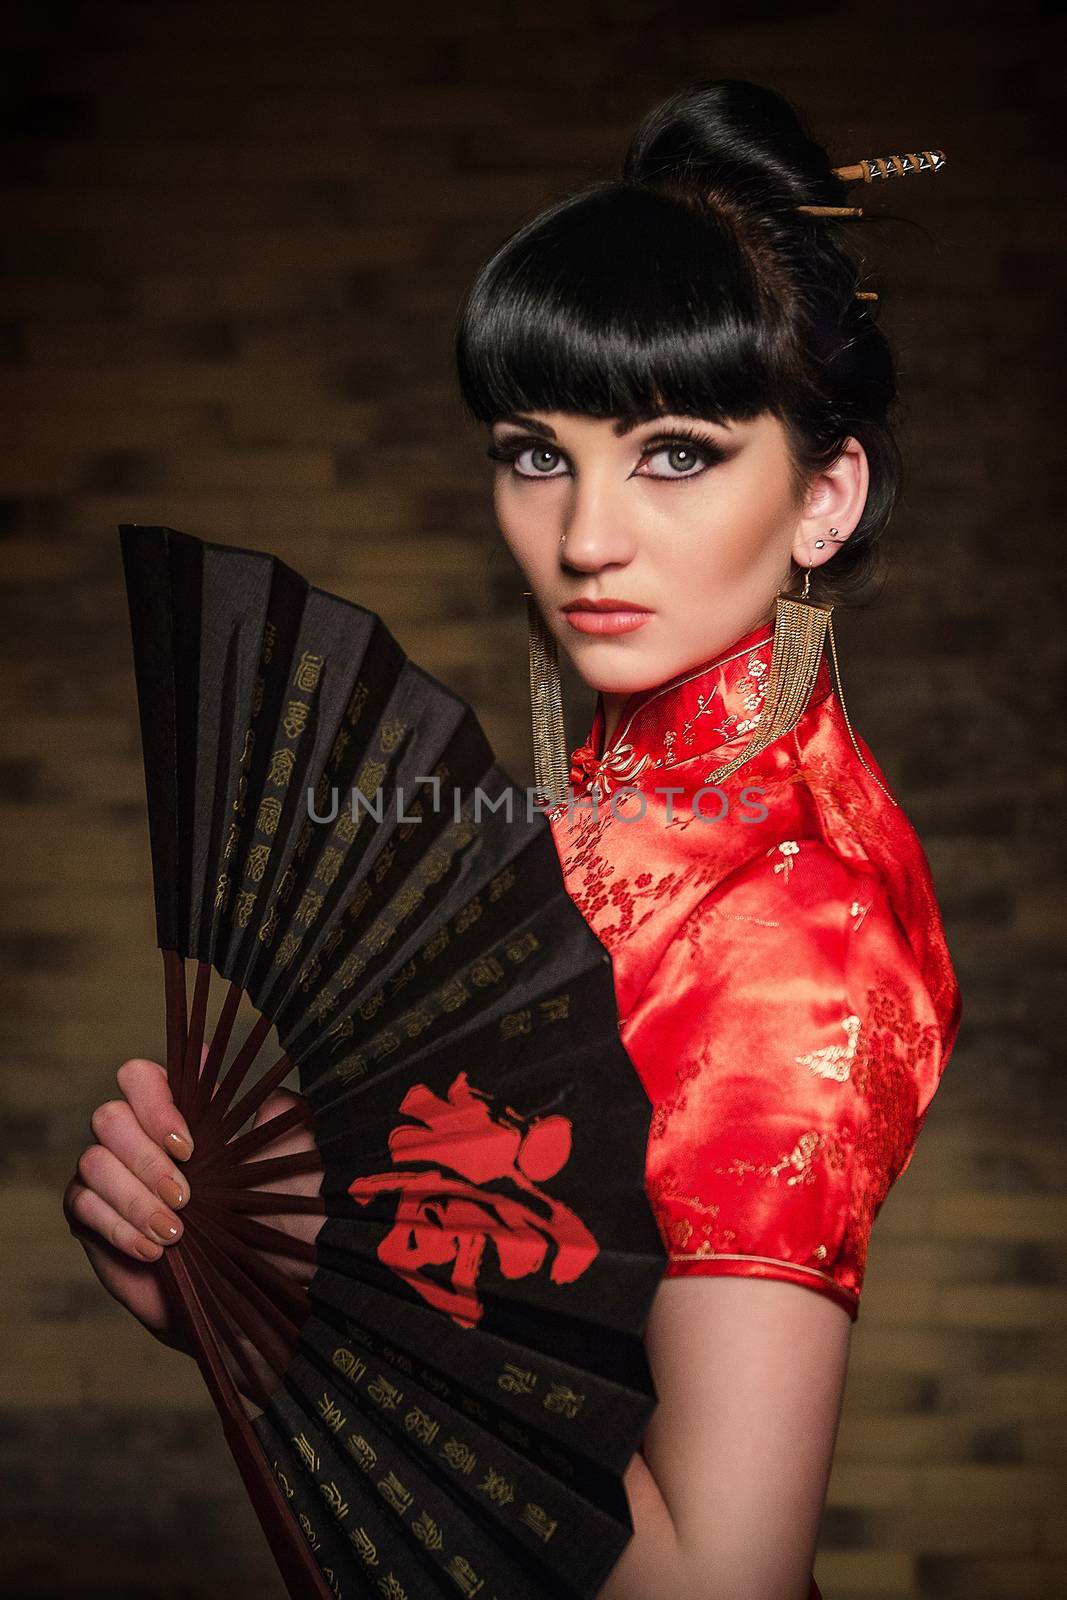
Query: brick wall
[[235, 240]]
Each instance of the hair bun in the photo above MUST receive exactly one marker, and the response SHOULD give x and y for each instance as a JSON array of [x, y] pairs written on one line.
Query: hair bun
[[732, 137]]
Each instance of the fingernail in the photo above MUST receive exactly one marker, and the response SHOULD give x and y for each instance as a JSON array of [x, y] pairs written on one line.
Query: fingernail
[[171, 1192], [150, 1251], [181, 1144], [164, 1229]]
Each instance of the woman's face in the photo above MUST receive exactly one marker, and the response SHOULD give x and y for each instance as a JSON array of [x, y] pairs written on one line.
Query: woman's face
[[687, 527]]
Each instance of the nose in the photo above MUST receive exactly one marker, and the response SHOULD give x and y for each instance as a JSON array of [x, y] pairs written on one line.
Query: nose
[[595, 530]]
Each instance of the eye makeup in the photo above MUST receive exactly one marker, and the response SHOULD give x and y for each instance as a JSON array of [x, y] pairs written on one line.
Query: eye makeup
[[509, 447]]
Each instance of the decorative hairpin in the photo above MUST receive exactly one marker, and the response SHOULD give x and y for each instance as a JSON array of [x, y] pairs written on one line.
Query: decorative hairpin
[[867, 170], [872, 167]]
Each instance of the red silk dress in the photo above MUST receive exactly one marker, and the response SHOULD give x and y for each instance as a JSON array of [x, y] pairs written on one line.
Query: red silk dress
[[783, 982]]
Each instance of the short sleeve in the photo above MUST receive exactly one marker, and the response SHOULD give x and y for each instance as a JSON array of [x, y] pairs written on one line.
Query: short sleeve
[[790, 1049]]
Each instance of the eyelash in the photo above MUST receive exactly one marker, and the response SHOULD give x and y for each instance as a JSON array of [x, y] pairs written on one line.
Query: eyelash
[[509, 450]]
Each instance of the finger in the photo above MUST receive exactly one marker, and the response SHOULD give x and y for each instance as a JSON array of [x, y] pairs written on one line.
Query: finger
[[118, 1128], [147, 1087], [293, 1142], [92, 1219], [275, 1105], [303, 1225], [102, 1171]]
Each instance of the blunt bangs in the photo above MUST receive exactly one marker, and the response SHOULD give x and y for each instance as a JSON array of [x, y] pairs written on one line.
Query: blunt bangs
[[619, 302]]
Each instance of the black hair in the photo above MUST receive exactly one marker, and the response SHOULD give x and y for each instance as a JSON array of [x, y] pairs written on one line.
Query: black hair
[[693, 286]]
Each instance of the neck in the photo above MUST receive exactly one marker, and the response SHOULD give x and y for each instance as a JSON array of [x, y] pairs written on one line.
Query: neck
[[613, 704]]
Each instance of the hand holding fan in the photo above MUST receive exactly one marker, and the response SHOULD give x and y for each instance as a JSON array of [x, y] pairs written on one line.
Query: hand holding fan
[[455, 1374]]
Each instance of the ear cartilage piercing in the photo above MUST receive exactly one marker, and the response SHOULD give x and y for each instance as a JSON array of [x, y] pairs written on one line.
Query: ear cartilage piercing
[[819, 543]]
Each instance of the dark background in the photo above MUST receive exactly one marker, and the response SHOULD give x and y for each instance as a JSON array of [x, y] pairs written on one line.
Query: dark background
[[235, 238]]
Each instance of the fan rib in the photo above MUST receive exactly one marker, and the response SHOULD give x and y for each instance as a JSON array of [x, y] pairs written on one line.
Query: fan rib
[[255, 1202], [206, 1278], [220, 1039], [251, 1173], [294, 1295], [220, 1101], [256, 1138], [231, 1234], [194, 1039], [260, 1234], [296, 1561], [269, 1329], [254, 1097]]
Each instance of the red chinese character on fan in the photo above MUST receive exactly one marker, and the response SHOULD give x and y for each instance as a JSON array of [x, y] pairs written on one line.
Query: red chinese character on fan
[[445, 1212]]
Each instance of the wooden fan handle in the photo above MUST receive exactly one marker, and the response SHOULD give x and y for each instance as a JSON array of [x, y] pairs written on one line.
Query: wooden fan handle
[[300, 1572]]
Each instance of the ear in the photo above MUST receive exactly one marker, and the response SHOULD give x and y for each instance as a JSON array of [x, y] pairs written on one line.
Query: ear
[[835, 499]]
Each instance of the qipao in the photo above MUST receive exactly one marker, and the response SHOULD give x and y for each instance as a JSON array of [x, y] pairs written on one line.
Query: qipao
[[783, 982]]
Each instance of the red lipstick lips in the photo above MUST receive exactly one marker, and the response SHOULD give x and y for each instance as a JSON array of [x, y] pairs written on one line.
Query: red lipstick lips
[[606, 616]]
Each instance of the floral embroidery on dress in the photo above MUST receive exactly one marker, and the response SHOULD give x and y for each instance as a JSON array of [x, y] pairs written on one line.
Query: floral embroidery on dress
[[595, 887], [890, 1023], [678, 1231], [788, 850], [754, 690], [857, 912], [834, 1060], [838, 1147], [681, 1229], [704, 705], [896, 1053], [800, 1158], [676, 1102]]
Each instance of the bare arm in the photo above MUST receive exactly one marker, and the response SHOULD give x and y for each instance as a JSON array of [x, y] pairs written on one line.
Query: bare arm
[[729, 1486]]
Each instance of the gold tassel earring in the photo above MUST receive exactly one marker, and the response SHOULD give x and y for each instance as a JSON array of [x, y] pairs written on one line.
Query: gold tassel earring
[[801, 627], [551, 762]]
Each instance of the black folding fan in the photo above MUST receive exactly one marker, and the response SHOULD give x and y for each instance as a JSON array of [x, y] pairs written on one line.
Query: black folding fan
[[458, 1382]]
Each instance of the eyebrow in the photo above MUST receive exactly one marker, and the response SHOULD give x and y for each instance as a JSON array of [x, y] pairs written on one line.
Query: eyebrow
[[529, 423], [620, 428]]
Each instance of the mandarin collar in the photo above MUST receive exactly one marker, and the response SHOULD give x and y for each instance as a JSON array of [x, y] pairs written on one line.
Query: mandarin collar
[[686, 717]]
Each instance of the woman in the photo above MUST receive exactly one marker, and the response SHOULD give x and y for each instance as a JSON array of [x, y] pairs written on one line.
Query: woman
[[687, 402]]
